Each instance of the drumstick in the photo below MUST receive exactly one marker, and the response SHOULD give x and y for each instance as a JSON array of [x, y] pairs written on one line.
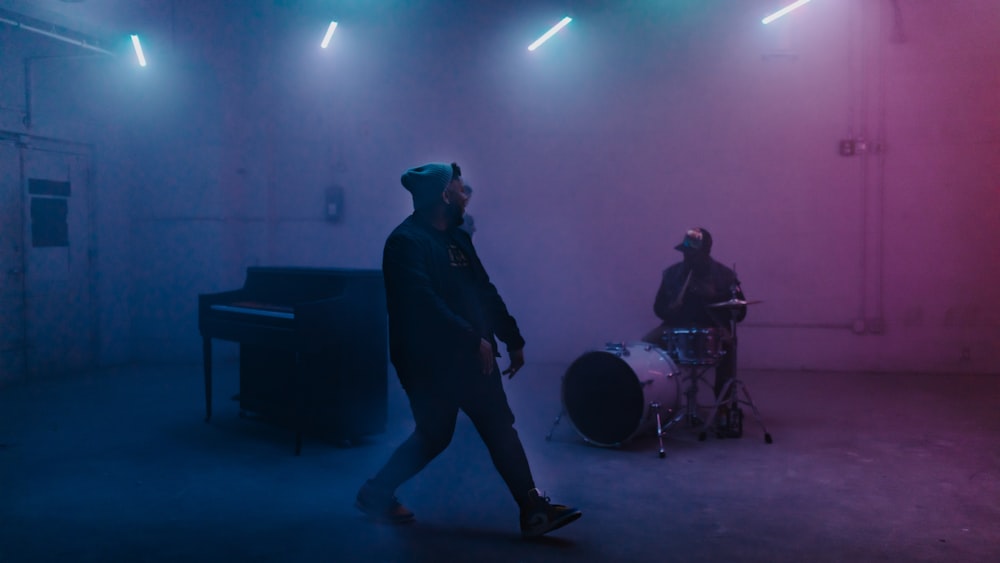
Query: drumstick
[[680, 296]]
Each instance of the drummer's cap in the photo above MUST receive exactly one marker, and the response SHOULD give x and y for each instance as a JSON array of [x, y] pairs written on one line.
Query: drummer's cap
[[696, 240]]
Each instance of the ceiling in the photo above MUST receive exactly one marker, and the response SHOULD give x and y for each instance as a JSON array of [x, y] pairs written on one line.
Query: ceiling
[[99, 18]]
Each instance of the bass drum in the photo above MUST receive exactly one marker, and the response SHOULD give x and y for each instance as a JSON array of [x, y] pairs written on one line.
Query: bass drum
[[612, 395]]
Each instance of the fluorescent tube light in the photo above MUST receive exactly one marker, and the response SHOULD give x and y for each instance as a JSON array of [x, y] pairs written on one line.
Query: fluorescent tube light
[[783, 11], [555, 29], [329, 34], [138, 50]]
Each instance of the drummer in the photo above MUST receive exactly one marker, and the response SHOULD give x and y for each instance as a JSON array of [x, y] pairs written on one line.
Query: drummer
[[686, 290]]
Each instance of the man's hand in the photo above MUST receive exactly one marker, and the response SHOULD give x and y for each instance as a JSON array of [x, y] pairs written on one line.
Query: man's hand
[[486, 357], [516, 362]]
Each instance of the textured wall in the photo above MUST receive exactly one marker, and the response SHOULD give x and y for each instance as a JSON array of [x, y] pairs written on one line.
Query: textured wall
[[590, 157]]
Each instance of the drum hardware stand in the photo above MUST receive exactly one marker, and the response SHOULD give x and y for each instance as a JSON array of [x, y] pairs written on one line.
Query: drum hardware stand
[[689, 412], [619, 349], [548, 437], [659, 429], [729, 395], [731, 400]]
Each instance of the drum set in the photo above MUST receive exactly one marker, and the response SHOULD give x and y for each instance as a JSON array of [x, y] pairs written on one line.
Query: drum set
[[626, 389]]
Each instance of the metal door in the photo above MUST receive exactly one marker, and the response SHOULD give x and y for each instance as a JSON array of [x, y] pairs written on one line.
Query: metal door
[[60, 320]]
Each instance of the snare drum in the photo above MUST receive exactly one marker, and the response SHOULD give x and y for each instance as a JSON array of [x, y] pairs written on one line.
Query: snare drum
[[693, 346], [612, 395]]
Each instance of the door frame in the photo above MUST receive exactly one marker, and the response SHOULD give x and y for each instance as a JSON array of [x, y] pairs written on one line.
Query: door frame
[[18, 265]]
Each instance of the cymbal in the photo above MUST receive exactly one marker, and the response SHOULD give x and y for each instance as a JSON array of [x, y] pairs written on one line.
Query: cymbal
[[733, 304]]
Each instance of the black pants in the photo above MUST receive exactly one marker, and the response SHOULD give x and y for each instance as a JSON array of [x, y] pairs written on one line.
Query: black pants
[[435, 410], [724, 367]]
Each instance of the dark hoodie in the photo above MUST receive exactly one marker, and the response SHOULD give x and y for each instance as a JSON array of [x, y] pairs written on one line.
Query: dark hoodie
[[440, 302]]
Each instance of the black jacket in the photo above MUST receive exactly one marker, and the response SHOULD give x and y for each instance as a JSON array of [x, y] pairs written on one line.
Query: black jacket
[[440, 302]]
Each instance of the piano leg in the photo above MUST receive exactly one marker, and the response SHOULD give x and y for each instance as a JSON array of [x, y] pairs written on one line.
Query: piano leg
[[206, 347]]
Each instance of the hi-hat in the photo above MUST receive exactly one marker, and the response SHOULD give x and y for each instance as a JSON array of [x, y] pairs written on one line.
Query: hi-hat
[[733, 304]]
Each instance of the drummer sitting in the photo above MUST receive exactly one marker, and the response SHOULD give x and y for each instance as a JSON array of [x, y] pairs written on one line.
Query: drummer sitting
[[687, 289]]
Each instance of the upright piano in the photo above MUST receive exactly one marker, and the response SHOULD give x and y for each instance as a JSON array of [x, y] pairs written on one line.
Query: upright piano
[[313, 348]]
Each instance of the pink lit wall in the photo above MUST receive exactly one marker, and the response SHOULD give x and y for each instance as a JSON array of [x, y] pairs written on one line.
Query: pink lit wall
[[591, 156]]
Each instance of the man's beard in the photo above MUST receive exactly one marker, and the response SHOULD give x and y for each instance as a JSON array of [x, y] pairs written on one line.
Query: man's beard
[[454, 214]]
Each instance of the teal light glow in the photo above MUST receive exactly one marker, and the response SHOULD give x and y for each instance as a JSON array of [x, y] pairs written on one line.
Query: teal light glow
[[555, 29], [783, 11], [138, 50]]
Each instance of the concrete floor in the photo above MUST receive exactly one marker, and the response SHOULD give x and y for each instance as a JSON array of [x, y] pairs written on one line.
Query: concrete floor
[[118, 465]]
